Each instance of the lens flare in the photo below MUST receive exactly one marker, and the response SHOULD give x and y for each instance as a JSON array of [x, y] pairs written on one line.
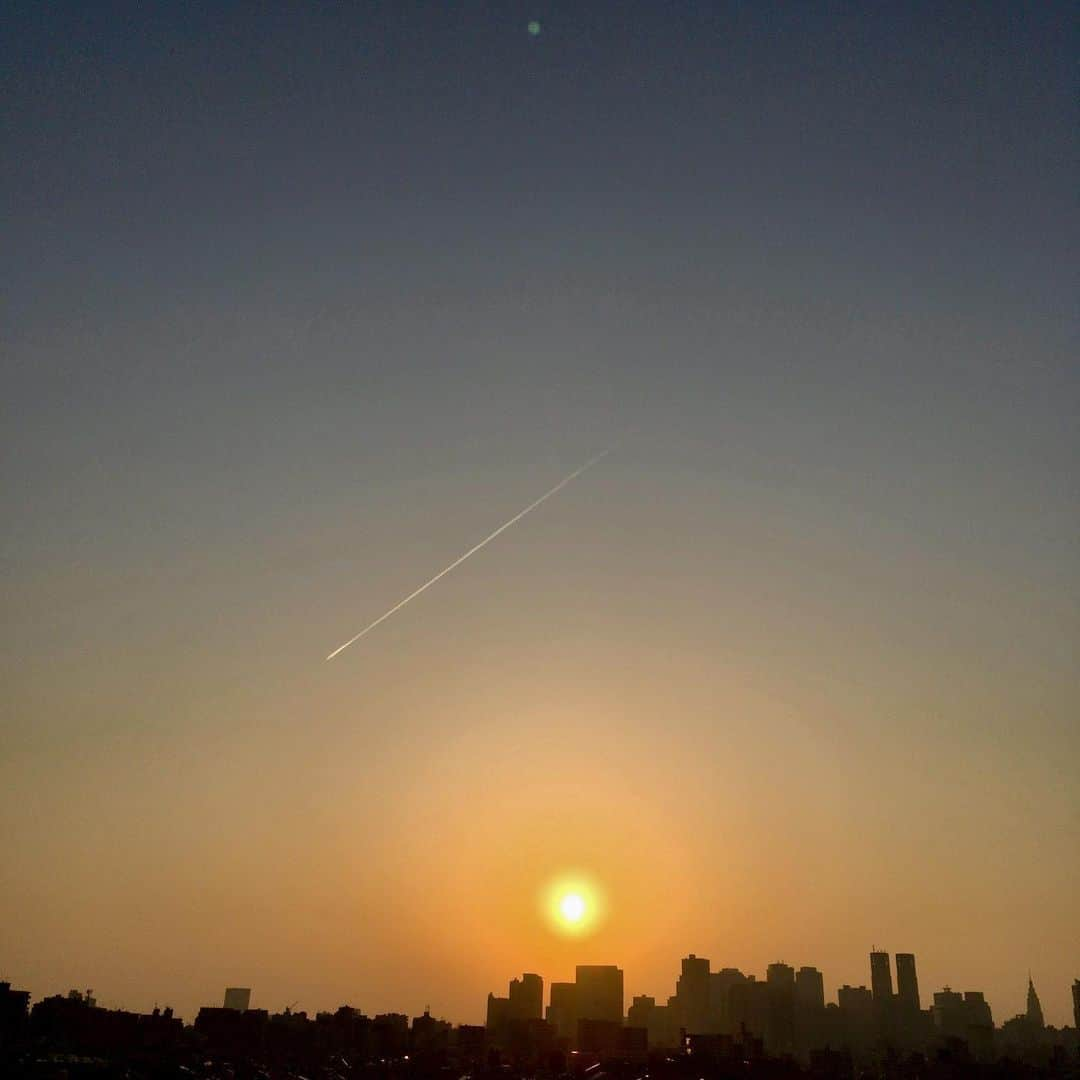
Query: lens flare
[[573, 905]]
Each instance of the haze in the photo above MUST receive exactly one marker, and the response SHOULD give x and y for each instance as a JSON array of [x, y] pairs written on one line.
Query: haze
[[301, 303]]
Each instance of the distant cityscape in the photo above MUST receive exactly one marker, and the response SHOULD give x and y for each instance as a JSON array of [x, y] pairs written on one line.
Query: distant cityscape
[[785, 1015], [716, 1024]]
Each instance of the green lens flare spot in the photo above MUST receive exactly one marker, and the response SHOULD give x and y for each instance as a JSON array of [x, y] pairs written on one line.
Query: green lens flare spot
[[534, 28]]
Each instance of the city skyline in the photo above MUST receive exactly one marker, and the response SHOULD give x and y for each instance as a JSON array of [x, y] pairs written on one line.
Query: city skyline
[[717, 1020], [717, 1024], [531, 997]]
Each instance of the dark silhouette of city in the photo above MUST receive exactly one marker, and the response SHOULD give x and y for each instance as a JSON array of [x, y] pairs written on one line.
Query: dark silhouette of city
[[718, 1023]]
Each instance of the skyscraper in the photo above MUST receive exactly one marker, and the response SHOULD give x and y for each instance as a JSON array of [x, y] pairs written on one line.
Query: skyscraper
[[1076, 1003], [562, 1011], [809, 1010], [980, 1025], [856, 1006], [692, 993], [527, 997], [907, 983], [1034, 1008], [780, 1031], [948, 1012], [965, 1016], [880, 977], [809, 988], [720, 984], [599, 994], [498, 1014], [748, 1005], [781, 976]]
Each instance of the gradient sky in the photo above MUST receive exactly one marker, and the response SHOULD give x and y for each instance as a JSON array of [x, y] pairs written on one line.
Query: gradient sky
[[301, 301]]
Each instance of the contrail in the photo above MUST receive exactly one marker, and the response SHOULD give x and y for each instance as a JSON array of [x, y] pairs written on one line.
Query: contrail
[[473, 550]]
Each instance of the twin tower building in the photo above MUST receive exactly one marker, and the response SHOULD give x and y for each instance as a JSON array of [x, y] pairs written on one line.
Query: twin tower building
[[907, 982]]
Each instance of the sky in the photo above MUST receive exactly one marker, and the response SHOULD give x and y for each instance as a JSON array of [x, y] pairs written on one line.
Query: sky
[[302, 301]]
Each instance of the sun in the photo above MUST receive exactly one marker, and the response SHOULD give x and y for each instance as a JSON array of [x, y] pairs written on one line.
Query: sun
[[573, 905]]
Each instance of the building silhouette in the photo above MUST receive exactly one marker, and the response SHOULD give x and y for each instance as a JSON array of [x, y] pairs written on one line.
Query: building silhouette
[[390, 1035], [14, 1014], [809, 988], [75, 1024], [429, 1038], [881, 987], [692, 995], [515, 1024], [562, 1010], [1034, 1007], [749, 1007], [780, 1030], [526, 999], [524, 1003], [599, 992], [810, 1018], [965, 1018], [657, 1021], [880, 978], [599, 1037], [470, 1043], [856, 1021], [1076, 1003], [980, 1025], [911, 1026], [907, 982], [237, 997], [720, 984], [641, 1008], [498, 1013]]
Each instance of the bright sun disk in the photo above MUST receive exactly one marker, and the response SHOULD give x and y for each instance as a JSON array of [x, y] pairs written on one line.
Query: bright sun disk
[[572, 907]]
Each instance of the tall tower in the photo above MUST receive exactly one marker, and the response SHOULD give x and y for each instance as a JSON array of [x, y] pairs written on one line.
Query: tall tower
[[907, 982], [1034, 1009], [1076, 1003], [780, 1029], [810, 988], [562, 1012], [880, 977], [692, 992], [884, 1004], [599, 993]]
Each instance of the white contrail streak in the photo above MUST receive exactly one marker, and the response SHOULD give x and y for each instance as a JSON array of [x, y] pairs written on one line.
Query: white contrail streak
[[473, 550]]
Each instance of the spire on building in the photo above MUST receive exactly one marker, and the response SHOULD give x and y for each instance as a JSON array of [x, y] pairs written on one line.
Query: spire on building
[[1034, 1009]]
